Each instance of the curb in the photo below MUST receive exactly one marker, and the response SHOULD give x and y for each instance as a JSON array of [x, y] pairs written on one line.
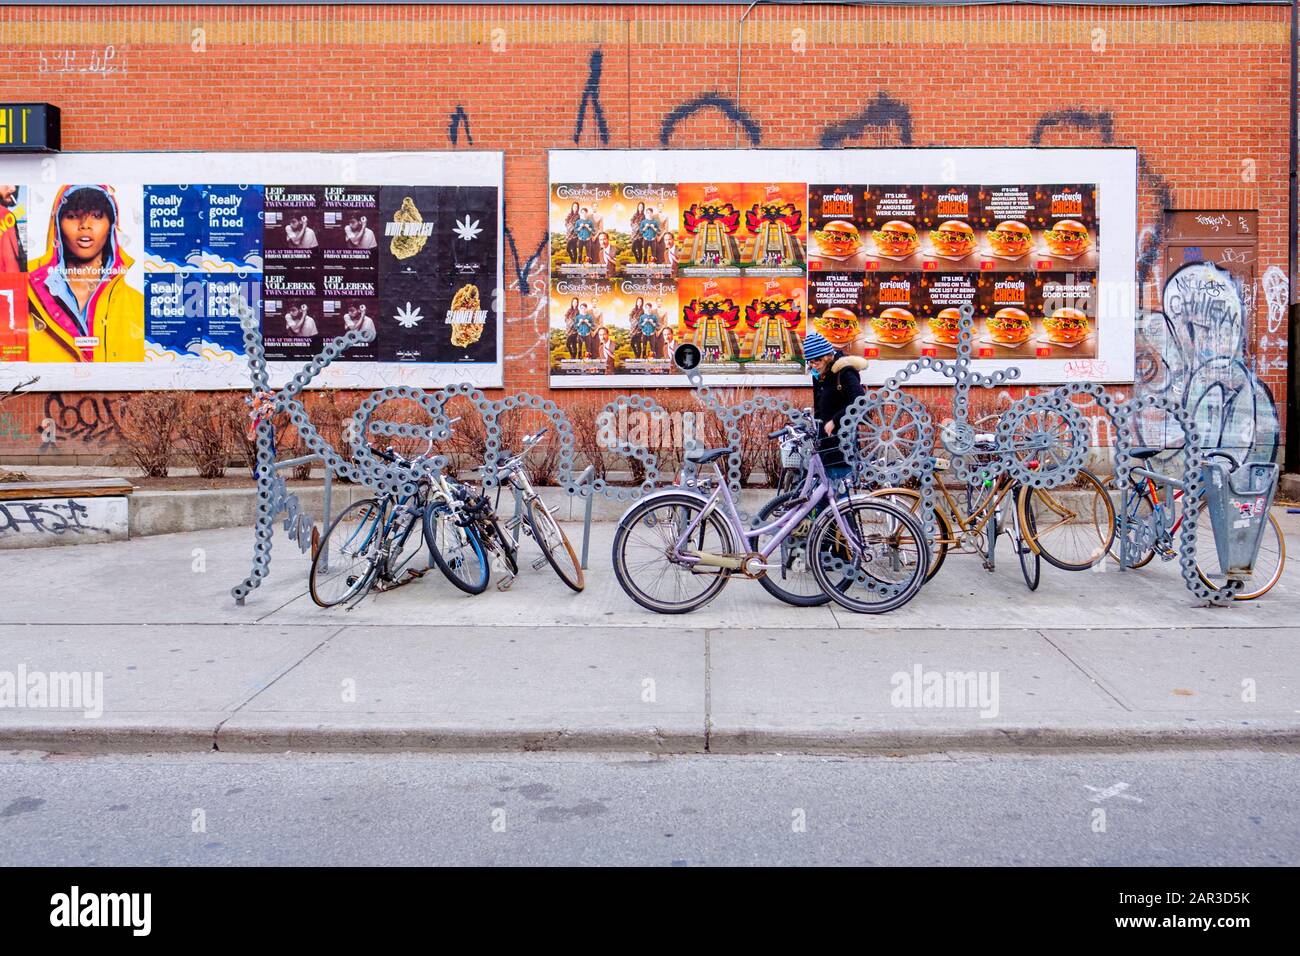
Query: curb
[[69, 739]]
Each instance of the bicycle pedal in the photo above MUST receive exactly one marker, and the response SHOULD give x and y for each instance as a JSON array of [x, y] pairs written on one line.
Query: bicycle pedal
[[513, 522], [505, 582], [539, 563]]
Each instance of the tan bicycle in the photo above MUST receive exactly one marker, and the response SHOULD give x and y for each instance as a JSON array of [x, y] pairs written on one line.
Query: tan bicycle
[[1071, 526]]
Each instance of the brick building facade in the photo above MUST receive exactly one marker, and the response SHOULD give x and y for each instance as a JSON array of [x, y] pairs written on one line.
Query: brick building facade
[[1201, 91]]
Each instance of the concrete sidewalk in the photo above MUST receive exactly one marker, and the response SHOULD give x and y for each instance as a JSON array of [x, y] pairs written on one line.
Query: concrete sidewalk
[[1089, 660]]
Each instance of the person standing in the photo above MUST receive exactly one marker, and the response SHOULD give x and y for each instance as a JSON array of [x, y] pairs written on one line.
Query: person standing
[[837, 384]]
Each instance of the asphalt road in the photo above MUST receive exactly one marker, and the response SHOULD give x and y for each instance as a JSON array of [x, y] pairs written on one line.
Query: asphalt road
[[1160, 808]]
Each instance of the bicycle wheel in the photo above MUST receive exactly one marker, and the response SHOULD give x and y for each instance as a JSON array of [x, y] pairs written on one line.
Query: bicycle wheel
[[793, 582], [347, 558], [1031, 565], [882, 562], [1136, 503], [643, 542], [1269, 563], [1072, 525], [550, 537], [456, 551], [911, 500]]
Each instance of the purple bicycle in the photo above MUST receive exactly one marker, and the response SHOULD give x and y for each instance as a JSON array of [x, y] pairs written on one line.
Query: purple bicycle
[[676, 549]]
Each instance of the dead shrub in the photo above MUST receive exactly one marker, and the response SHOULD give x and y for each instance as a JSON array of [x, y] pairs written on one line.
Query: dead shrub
[[207, 431], [150, 423]]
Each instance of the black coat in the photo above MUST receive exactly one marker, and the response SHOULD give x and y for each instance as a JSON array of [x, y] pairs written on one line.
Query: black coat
[[833, 393]]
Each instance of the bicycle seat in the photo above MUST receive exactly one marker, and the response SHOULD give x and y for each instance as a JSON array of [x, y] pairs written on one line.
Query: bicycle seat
[[708, 455], [1142, 454]]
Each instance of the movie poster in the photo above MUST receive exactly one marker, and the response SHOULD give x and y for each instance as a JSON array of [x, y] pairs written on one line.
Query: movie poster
[[710, 314], [773, 325], [709, 243], [643, 325], [580, 343], [644, 230], [581, 244], [775, 229]]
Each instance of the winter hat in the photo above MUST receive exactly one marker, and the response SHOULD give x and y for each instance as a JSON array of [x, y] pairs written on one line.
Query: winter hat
[[815, 346]]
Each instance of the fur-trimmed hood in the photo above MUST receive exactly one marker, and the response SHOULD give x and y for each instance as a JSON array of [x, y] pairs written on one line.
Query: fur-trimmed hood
[[849, 361]]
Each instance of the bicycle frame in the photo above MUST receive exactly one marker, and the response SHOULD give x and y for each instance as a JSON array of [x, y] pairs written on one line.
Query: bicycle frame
[[815, 489]]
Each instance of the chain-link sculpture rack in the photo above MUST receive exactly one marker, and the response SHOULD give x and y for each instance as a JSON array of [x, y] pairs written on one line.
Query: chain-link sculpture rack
[[399, 478], [890, 440]]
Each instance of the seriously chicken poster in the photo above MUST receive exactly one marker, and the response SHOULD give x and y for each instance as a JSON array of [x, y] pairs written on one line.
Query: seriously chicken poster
[[880, 251], [118, 276]]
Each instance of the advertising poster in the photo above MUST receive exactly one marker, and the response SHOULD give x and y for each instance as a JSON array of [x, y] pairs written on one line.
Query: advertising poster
[[581, 245], [775, 229], [13, 269], [837, 229], [644, 230], [578, 336], [951, 241], [1068, 229], [773, 325], [172, 318], [710, 318], [892, 301], [836, 306], [877, 250], [709, 243], [297, 244], [644, 329], [894, 222], [232, 239]]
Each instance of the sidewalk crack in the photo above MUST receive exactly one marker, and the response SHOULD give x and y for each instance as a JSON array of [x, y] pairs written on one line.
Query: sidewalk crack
[[708, 692], [216, 733], [1087, 673]]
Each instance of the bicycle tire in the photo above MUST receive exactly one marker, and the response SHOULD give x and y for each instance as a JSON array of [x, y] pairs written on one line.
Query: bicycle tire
[[1137, 504], [368, 518], [766, 580], [895, 517], [1248, 591], [716, 581], [1053, 549], [557, 549], [438, 517], [939, 548], [1031, 564]]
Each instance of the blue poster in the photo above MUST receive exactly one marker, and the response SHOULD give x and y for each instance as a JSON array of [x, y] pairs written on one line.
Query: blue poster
[[173, 312], [232, 217], [226, 296], [173, 227]]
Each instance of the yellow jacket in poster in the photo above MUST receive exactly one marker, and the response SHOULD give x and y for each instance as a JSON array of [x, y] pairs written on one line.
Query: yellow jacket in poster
[[73, 320]]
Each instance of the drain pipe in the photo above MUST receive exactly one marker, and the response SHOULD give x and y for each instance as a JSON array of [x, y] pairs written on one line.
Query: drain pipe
[[1293, 311], [740, 50]]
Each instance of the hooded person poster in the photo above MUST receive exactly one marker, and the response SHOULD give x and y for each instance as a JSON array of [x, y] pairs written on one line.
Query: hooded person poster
[[84, 299]]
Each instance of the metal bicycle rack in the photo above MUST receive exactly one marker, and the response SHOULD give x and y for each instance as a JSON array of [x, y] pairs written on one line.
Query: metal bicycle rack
[[891, 439], [400, 478]]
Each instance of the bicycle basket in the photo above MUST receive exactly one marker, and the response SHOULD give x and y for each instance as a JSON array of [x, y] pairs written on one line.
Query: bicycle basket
[[794, 454], [1238, 503]]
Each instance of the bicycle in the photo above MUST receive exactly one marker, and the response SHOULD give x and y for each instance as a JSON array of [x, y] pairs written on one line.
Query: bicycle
[[692, 544], [1071, 526], [537, 521], [371, 542], [1158, 522]]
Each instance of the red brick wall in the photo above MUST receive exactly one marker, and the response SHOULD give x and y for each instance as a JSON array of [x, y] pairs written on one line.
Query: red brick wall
[[1199, 90]]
